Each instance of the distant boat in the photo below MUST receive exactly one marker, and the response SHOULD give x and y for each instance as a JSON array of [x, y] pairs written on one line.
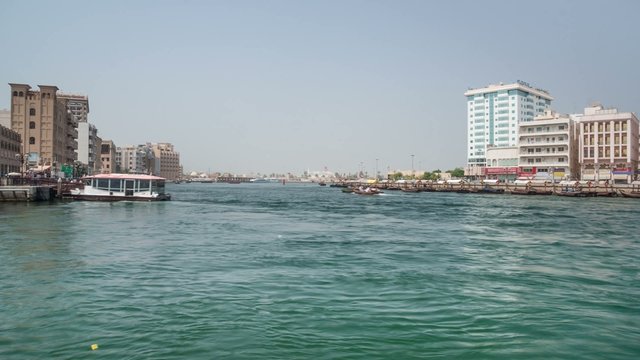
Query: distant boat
[[119, 187]]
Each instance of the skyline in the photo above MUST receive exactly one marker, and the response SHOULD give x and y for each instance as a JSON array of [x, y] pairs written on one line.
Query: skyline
[[285, 86]]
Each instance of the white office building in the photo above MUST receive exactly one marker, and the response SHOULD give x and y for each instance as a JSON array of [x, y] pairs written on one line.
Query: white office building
[[493, 115]]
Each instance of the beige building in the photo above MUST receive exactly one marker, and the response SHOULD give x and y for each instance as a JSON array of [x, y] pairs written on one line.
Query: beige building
[[5, 118], [167, 161], [108, 157], [608, 144], [10, 147], [547, 146], [47, 129]]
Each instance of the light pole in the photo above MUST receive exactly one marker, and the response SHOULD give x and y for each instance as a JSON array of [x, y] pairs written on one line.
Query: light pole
[[377, 169], [412, 170]]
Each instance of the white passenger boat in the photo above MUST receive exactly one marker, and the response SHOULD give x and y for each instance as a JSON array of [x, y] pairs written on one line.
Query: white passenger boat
[[118, 187]]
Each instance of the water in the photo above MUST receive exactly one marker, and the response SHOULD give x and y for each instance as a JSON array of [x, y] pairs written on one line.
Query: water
[[265, 271]]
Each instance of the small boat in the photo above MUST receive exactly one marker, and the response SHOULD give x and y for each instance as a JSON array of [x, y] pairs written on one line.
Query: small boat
[[630, 193], [411, 190], [367, 191], [531, 191], [118, 187], [575, 193], [322, 184], [489, 190]]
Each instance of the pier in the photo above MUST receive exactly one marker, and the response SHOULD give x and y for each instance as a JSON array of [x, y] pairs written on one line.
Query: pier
[[571, 189]]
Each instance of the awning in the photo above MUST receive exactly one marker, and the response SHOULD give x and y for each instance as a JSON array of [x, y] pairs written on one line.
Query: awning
[[40, 169]]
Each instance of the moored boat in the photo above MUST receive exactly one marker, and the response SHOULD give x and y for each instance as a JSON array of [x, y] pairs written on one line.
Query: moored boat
[[119, 187], [630, 193]]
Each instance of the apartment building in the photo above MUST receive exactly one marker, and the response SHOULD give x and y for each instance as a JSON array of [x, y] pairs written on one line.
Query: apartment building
[[547, 147], [493, 115], [608, 144], [135, 159], [47, 130], [10, 151], [87, 146], [5, 118], [167, 161], [108, 157]]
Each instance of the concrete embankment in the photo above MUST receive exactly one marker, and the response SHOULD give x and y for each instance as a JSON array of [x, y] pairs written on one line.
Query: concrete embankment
[[26, 193]]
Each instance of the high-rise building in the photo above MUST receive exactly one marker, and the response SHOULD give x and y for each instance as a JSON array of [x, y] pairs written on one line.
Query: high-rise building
[[47, 129], [493, 115], [608, 144]]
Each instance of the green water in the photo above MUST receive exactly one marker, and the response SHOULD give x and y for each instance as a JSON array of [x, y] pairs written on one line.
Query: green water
[[265, 271]]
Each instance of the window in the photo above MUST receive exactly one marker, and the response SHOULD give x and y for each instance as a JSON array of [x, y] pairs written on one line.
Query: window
[[32, 140], [15, 93], [32, 112], [560, 159], [32, 124], [21, 94]]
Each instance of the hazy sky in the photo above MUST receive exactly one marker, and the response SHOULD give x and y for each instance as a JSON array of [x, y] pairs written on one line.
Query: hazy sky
[[285, 86]]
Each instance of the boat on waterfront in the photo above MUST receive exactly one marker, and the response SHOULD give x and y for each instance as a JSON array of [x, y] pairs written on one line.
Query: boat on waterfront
[[367, 191], [119, 187], [630, 193]]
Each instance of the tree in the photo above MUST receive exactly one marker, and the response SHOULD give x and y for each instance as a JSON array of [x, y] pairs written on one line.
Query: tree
[[457, 172], [396, 176]]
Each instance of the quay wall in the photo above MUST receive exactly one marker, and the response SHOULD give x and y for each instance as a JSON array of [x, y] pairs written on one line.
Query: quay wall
[[25, 193]]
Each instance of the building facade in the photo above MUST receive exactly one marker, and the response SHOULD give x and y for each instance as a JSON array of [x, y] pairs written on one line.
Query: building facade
[[134, 159], [108, 157], [47, 130], [493, 115], [167, 161], [502, 163], [10, 147], [547, 147], [87, 146], [608, 145], [5, 118]]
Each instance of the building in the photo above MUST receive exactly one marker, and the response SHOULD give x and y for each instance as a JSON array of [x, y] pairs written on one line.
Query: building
[[547, 147], [10, 147], [47, 129], [607, 144], [87, 146], [502, 163], [493, 115], [167, 161], [5, 118], [134, 159], [108, 157]]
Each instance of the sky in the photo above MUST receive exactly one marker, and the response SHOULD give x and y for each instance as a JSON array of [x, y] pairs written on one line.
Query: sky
[[283, 86]]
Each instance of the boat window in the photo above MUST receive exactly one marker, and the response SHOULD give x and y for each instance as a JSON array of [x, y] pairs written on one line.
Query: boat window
[[103, 184], [144, 185], [116, 184], [157, 187]]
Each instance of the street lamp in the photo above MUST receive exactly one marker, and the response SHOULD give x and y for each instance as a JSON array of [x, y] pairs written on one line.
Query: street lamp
[[412, 171], [377, 169]]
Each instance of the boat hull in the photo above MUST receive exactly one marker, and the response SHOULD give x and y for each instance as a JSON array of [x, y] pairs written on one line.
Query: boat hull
[[85, 197]]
